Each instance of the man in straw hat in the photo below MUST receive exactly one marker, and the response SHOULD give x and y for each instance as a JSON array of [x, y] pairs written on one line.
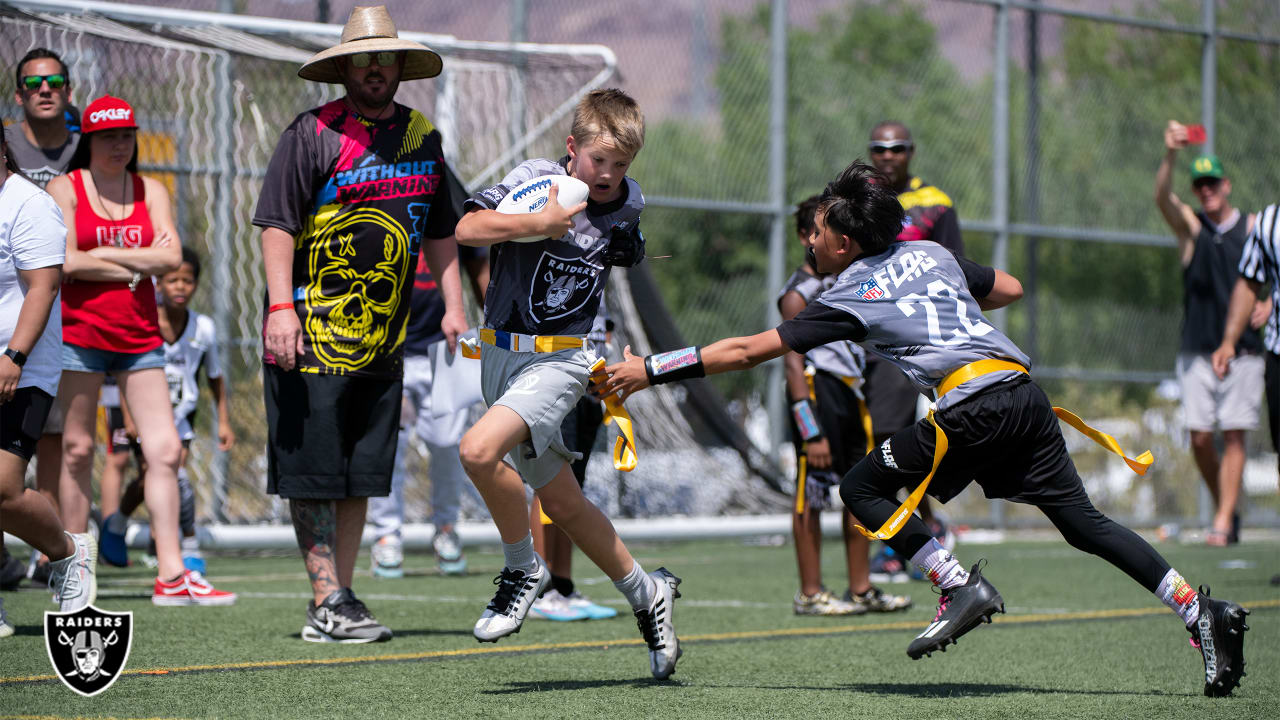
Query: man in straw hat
[[353, 190]]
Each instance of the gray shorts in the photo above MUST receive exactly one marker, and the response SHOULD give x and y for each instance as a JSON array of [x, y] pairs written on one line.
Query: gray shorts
[[1232, 403], [541, 388]]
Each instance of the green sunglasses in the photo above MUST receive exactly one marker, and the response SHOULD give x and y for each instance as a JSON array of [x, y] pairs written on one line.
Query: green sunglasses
[[33, 82], [363, 60]]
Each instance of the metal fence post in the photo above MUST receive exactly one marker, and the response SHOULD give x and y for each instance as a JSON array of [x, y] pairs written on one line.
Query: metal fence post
[[1208, 113], [1000, 172], [777, 197]]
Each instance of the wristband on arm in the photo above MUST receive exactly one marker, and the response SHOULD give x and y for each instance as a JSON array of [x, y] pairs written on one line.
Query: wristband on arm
[[676, 365], [806, 420], [279, 306]]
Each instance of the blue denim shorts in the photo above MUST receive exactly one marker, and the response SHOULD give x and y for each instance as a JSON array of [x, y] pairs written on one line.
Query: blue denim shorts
[[83, 359]]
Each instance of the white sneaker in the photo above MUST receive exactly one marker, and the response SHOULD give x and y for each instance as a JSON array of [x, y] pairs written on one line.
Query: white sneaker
[[516, 592], [448, 551], [388, 557], [6, 627], [656, 624], [554, 606], [594, 612], [825, 603], [72, 578]]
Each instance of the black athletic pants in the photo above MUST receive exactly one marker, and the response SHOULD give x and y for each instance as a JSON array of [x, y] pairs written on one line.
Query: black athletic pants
[[1008, 440]]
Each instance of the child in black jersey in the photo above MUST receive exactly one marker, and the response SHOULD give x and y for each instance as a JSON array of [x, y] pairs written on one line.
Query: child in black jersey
[[541, 303], [917, 306]]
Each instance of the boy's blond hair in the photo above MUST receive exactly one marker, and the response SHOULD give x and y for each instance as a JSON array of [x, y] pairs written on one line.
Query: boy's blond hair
[[611, 115]]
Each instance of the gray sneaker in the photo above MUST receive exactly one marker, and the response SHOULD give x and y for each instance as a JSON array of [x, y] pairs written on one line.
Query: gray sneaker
[[342, 618], [448, 551], [72, 578]]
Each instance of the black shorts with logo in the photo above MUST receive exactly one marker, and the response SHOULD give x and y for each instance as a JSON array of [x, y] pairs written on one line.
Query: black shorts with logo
[[839, 412], [330, 437], [1006, 438], [22, 421]]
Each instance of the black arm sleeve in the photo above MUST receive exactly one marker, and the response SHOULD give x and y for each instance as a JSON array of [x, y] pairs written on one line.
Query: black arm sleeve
[[980, 278], [946, 232], [820, 324]]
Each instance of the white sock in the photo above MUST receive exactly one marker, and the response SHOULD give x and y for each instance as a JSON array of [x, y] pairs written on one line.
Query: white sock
[[520, 555], [940, 566], [1180, 597], [637, 587]]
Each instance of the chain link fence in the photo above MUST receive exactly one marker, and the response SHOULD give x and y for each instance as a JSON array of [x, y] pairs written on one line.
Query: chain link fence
[[1042, 120]]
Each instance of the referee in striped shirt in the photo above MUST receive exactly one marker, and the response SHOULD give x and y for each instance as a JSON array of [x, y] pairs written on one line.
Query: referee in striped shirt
[[1259, 268]]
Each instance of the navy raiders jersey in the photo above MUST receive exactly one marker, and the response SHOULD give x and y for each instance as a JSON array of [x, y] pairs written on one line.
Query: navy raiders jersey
[[553, 286], [842, 357], [914, 306]]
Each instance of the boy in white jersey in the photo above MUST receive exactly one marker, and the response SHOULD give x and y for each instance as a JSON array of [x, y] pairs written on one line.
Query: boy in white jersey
[[917, 306], [541, 302], [190, 344]]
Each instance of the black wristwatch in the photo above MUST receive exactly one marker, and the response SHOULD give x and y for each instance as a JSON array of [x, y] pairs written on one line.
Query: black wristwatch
[[18, 357]]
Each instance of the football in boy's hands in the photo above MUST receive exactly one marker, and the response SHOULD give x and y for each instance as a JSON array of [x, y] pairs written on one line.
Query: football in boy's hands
[[531, 196]]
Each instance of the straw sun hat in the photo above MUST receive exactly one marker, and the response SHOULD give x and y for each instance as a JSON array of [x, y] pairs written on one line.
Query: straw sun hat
[[369, 29]]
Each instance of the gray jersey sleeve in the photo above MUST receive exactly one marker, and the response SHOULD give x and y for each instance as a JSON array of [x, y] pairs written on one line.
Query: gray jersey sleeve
[[919, 314], [841, 357]]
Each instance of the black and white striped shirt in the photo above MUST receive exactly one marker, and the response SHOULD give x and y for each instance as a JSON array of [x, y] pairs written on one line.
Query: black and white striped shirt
[[1260, 262]]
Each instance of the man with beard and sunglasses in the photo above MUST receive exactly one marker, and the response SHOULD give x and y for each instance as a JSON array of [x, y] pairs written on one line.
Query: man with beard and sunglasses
[[354, 190], [891, 398], [1210, 243]]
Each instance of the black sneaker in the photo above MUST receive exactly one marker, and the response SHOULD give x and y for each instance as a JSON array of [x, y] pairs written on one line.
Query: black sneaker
[[960, 609], [1219, 636], [342, 618]]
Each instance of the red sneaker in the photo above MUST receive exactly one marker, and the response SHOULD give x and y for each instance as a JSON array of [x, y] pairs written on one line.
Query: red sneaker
[[190, 589]]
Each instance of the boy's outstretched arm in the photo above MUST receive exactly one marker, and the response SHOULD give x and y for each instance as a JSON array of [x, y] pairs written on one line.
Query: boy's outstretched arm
[[738, 353]]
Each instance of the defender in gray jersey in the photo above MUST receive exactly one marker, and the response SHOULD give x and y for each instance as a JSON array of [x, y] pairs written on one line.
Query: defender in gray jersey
[[917, 306], [535, 359]]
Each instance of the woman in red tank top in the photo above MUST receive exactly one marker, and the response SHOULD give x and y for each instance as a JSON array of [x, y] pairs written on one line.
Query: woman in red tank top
[[120, 232]]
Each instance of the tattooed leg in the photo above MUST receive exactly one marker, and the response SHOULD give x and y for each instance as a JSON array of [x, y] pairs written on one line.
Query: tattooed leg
[[351, 513], [315, 524]]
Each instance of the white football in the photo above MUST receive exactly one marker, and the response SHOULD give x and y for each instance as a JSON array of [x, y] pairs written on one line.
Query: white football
[[531, 196]]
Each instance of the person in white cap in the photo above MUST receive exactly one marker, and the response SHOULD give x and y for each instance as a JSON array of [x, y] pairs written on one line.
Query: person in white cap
[[354, 189]]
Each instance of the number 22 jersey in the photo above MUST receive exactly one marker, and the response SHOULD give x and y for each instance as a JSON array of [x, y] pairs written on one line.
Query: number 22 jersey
[[914, 306]]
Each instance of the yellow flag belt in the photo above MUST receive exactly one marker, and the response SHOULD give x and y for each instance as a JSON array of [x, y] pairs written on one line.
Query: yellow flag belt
[[973, 370], [624, 448]]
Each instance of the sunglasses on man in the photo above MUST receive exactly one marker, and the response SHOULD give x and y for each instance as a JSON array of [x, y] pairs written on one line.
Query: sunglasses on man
[[897, 147], [33, 82], [1206, 183], [385, 58]]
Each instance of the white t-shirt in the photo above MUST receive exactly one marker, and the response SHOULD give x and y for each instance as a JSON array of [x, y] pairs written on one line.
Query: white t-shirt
[[32, 236], [197, 347]]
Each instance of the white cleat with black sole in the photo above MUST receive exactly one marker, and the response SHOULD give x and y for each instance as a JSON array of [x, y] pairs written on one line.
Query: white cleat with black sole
[[517, 589], [657, 624]]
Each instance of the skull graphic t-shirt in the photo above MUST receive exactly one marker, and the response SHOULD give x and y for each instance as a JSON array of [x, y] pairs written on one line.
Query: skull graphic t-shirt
[[553, 286], [358, 196]]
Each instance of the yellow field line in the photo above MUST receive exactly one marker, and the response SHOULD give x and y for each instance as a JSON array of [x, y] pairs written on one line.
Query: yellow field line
[[604, 645]]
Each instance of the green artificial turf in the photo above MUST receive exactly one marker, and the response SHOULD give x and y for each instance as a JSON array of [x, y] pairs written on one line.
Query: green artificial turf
[[746, 654]]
